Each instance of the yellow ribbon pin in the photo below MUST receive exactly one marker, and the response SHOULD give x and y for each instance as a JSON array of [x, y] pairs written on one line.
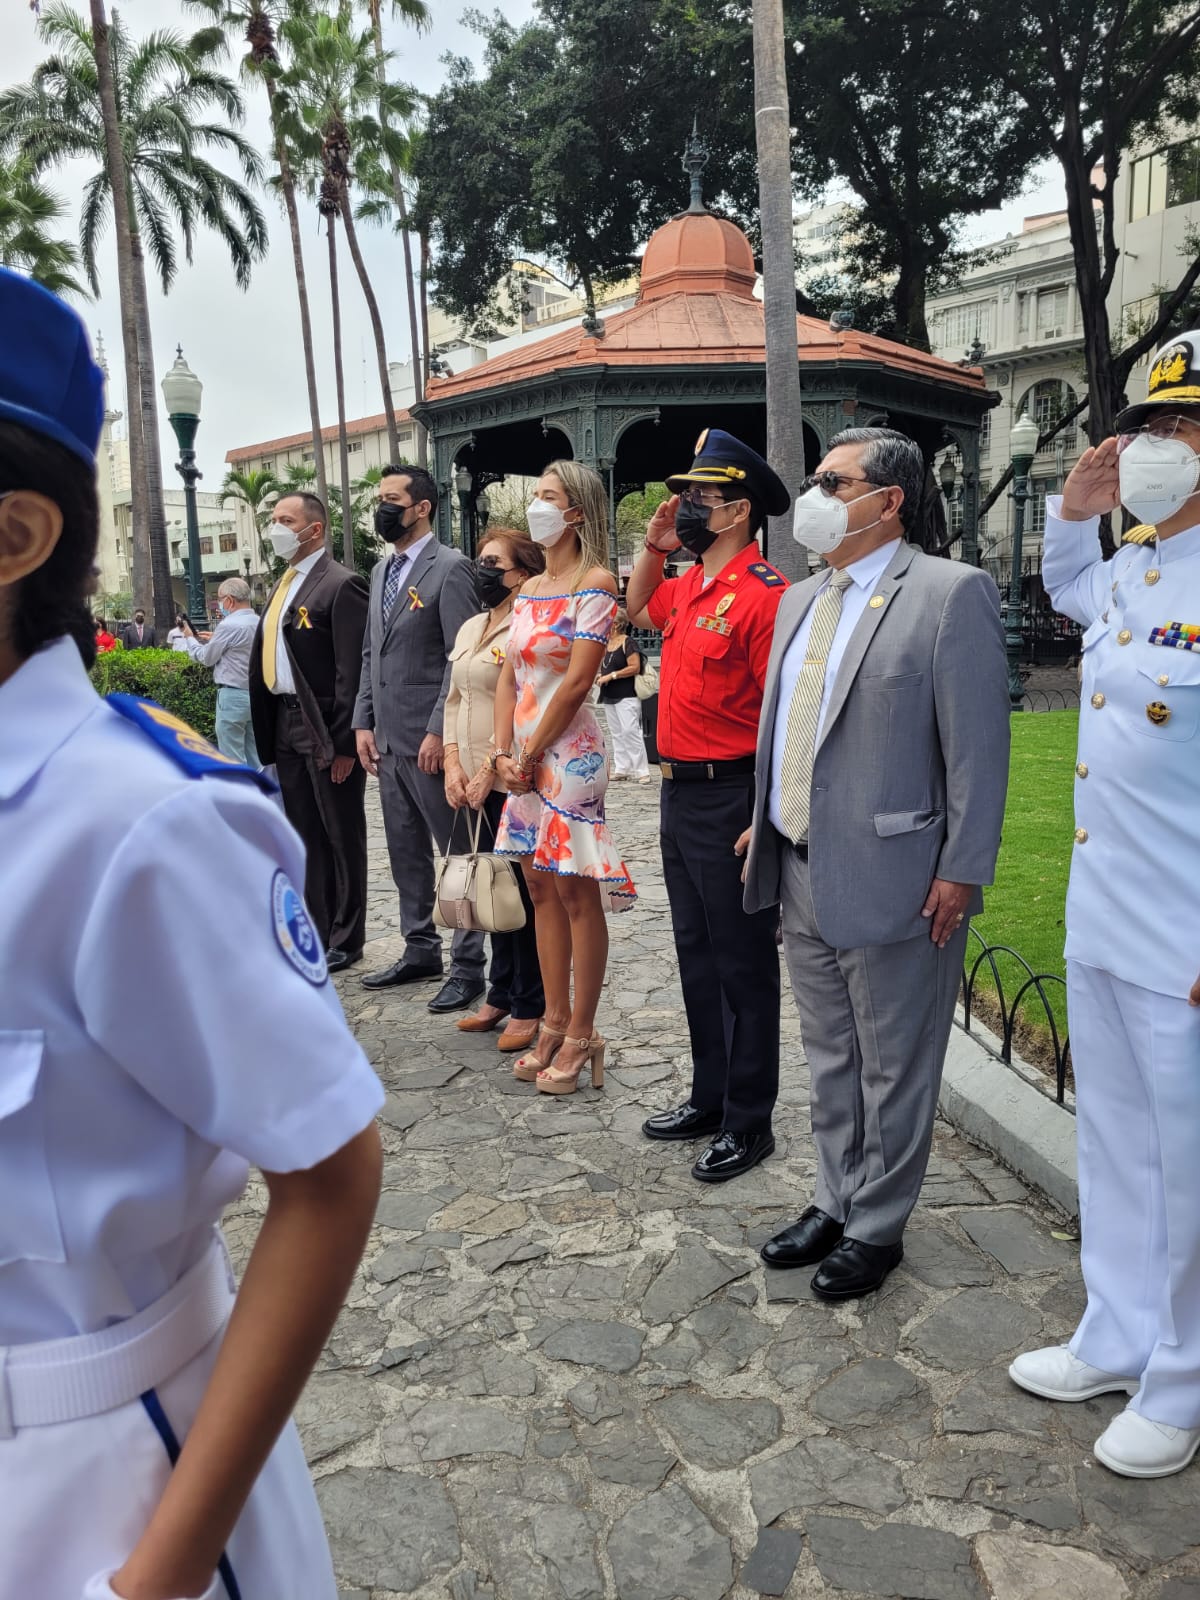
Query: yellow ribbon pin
[[497, 655], [417, 604], [302, 617]]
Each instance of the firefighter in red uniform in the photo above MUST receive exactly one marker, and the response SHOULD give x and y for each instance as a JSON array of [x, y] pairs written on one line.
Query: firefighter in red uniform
[[716, 622]]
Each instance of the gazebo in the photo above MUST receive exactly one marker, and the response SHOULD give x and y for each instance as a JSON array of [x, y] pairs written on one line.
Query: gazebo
[[629, 396]]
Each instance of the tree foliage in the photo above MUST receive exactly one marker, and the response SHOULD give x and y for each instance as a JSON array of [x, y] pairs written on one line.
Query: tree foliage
[[567, 147], [30, 217]]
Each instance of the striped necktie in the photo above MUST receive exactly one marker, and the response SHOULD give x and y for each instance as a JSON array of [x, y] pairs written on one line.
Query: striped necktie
[[804, 713], [271, 621], [391, 585]]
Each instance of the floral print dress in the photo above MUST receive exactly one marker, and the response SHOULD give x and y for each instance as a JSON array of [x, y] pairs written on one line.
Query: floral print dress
[[560, 822]]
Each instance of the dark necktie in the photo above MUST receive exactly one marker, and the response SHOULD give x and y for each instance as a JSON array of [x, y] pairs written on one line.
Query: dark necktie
[[391, 585]]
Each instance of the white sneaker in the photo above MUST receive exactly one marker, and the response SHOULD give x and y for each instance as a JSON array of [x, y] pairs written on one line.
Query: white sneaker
[[1056, 1374], [1138, 1448]]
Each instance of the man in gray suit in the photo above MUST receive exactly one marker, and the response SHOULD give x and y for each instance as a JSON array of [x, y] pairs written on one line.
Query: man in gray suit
[[881, 774], [421, 594]]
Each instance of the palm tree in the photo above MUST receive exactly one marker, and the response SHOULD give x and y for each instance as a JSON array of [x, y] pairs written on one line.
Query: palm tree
[[335, 77], [258, 21], [785, 428], [28, 213], [153, 177], [254, 488], [416, 13]]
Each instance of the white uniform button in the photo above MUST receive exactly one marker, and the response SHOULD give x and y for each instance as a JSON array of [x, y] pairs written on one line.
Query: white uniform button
[[1162, 680], [1098, 701], [1081, 835], [1081, 771], [1124, 637]]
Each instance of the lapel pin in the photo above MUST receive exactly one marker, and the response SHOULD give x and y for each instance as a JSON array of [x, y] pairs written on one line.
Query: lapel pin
[[876, 601]]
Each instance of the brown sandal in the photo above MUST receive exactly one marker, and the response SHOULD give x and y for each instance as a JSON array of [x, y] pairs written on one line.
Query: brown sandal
[[551, 1082]]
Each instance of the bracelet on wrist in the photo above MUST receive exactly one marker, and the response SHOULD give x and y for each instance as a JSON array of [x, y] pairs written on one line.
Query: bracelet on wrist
[[658, 549]]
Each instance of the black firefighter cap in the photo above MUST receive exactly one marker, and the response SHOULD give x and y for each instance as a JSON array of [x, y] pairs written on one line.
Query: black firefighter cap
[[724, 460]]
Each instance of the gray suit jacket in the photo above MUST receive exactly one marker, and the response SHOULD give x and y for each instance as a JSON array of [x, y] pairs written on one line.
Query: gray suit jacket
[[405, 665], [911, 772]]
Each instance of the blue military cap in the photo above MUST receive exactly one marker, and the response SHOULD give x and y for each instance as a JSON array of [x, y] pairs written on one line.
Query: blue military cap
[[720, 458], [48, 380]]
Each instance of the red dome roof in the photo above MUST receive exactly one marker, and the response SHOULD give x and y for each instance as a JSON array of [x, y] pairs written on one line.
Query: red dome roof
[[697, 253]]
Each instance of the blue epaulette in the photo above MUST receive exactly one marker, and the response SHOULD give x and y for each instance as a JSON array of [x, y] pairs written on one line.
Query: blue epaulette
[[187, 748], [767, 575]]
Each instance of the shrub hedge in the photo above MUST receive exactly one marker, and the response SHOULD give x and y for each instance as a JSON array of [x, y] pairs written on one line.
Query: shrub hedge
[[179, 684]]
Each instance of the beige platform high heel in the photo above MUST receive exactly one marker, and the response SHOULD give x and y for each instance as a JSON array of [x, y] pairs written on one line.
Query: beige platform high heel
[[527, 1067], [551, 1082]]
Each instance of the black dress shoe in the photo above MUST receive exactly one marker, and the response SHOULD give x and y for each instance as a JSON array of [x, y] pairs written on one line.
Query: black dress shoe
[[854, 1268], [808, 1240], [682, 1122], [731, 1153], [400, 972], [339, 960], [456, 994]]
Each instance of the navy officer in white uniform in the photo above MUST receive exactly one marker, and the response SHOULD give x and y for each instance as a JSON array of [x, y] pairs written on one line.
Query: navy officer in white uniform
[[1133, 938], [165, 1019]]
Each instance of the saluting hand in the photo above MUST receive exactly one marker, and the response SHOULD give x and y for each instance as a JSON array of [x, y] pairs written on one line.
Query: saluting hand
[[1093, 486], [660, 530]]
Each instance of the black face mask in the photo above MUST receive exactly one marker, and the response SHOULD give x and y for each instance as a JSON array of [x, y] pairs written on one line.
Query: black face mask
[[691, 526], [389, 521], [493, 590]]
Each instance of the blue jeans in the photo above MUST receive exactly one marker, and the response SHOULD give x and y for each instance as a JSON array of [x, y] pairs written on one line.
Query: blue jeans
[[235, 731]]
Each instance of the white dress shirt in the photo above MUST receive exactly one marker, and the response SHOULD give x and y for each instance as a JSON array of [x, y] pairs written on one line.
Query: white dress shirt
[[228, 651], [284, 682], [865, 574]]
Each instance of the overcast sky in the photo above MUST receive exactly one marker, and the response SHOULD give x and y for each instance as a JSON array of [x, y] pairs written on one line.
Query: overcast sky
[[246, 347]]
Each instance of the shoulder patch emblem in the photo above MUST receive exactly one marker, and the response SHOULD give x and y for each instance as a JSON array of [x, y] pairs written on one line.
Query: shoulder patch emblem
[[1144, 533], [767, 575], [294, 932], [189, 749]]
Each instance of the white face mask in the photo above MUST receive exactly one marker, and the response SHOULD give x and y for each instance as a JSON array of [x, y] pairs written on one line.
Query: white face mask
[[546, 522], [821, 520], [285, 541], [1157, 476]]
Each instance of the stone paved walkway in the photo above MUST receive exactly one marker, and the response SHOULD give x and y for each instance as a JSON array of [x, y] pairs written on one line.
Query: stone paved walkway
[[564, 1374]]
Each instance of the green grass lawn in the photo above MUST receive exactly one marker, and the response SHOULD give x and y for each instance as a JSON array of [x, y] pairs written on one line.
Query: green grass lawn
[[1024, 909]]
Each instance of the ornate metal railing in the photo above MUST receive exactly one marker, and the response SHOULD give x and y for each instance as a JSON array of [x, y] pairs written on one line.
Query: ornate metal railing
[[1052, 1039], [1051, 699]]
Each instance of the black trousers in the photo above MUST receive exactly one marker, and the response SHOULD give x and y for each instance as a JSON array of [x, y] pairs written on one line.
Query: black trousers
[[515, 975], [332, 821], [728, 958]]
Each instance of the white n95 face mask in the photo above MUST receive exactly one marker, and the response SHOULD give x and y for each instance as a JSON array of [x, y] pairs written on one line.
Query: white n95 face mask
[[285, 541], [546, 522], [821, 520], [1157, 476]]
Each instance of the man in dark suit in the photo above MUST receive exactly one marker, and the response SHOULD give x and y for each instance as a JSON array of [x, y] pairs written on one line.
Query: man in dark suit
[[303, 680], [138, 634], [421, 594]]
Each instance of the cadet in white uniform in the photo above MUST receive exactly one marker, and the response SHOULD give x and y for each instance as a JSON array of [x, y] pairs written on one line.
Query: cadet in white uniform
[[1133, 942], [165, 1019]]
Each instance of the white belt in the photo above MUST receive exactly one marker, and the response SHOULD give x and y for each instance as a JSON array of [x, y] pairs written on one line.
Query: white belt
[[62, 1380]]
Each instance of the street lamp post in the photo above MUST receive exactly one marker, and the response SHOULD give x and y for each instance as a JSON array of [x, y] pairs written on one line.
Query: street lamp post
[[464, 483], [182, 390], [1022, 443]]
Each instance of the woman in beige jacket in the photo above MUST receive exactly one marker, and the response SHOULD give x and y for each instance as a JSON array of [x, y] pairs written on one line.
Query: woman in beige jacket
[[505, 560]]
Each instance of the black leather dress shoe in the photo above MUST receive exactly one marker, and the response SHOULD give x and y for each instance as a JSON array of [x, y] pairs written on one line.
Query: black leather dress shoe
[[731, 1153], [682, 1122], [400, 972], [854, 1268], [456, 994], [808, 1240], [339, 960]]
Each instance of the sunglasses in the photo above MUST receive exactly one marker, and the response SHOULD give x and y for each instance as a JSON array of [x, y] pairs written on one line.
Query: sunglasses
[[492, 564], [829, 482], [1160, 428]]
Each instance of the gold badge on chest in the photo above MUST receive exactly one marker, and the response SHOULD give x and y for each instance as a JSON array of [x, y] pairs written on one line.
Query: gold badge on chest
[[1158, 713], [724, 604]]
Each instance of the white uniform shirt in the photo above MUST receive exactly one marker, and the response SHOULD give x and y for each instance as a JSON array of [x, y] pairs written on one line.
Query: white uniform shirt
[[866, 573], [284, 681], [1136, 860], [155, 1035]]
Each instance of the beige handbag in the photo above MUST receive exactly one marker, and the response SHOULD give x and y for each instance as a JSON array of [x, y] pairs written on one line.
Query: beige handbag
[[645, 685], [479, 890]]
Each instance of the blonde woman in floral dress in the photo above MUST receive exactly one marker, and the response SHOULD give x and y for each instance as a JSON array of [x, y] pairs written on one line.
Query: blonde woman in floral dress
[[550, 754]]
